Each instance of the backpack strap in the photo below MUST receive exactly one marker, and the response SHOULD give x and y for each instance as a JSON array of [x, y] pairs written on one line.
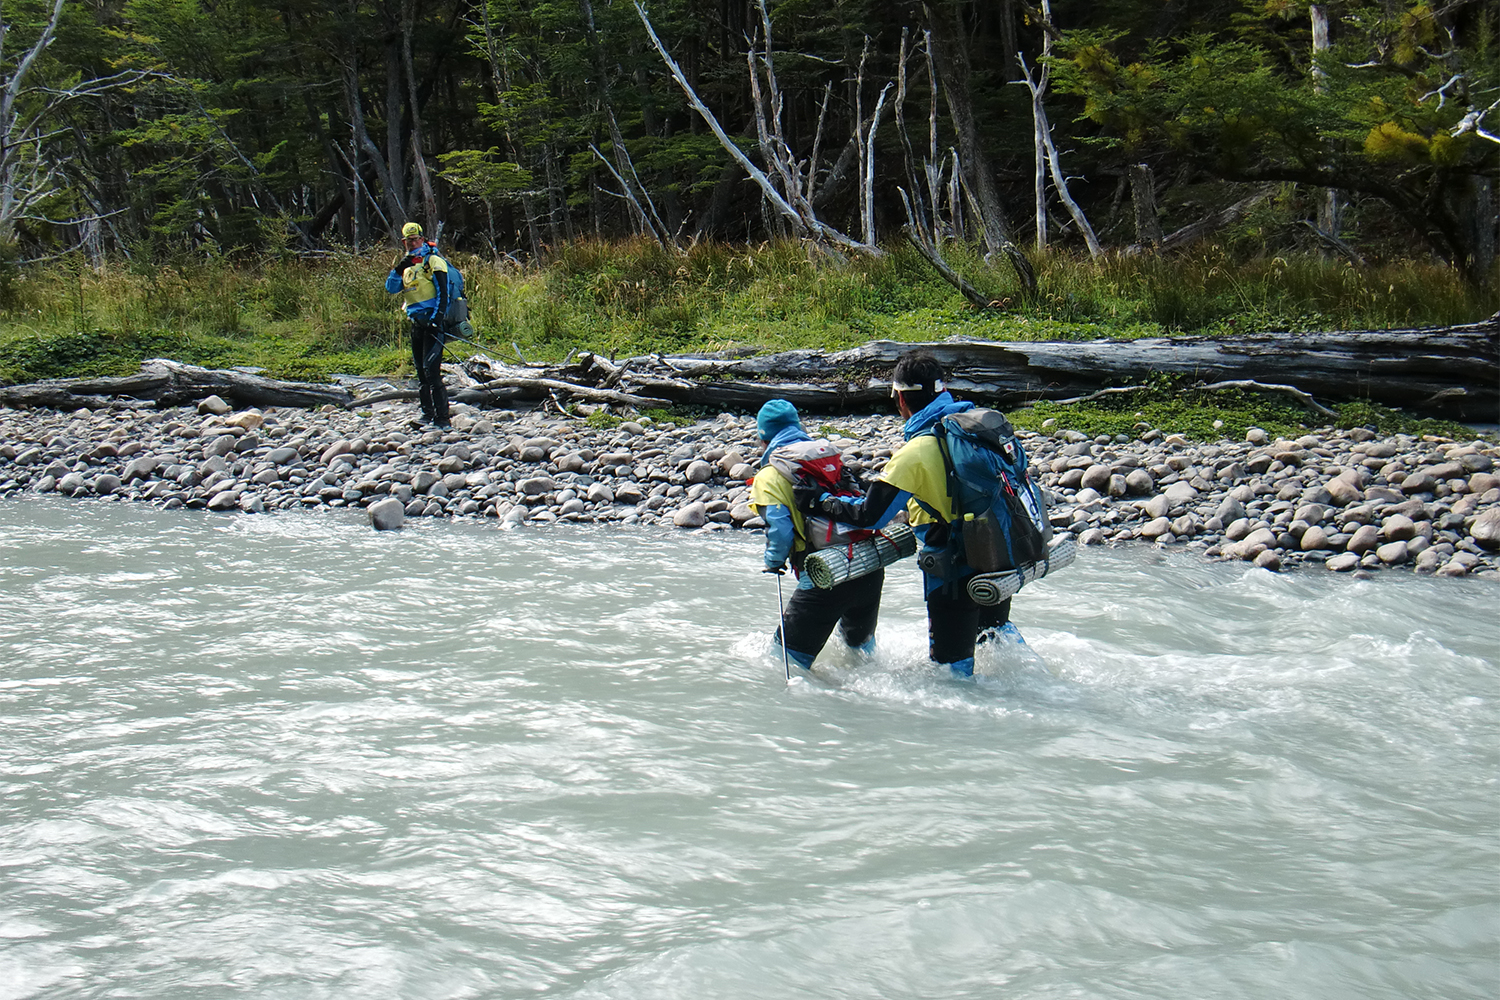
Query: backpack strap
[[940, 431]]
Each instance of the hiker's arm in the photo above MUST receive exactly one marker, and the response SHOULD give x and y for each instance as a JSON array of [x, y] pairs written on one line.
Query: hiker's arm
[[780, 534], [440, 282], [874, 510]]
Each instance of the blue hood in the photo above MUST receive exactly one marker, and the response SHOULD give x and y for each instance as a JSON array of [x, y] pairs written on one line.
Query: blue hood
[[784, 436], [923, 419]]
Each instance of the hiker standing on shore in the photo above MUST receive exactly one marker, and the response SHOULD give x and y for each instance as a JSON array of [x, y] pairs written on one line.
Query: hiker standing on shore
[[420, 276]]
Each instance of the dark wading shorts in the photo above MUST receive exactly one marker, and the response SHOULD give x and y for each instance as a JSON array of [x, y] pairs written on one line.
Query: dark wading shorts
[[853, 606]]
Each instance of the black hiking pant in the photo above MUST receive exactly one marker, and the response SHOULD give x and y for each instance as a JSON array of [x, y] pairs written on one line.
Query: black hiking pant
[[811, 614], [427, 355], [954, 622]]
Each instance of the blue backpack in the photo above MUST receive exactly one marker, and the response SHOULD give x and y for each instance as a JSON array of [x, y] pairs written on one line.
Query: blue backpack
[[1000, 514], [456, 318]]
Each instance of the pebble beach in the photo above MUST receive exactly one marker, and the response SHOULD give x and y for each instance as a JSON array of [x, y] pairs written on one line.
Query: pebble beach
[[1330, 500]]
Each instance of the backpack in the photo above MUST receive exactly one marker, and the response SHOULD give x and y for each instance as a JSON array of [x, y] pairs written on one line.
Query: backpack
[[456, 318], [1000, 514], [818, 465]]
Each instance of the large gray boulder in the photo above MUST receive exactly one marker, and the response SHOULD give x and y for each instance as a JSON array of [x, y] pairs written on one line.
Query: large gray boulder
[[1486, 529], [692, 516], [387, 515]]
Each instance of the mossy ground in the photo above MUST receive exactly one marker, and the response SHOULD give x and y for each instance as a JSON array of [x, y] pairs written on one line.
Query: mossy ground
[[1174, 408]]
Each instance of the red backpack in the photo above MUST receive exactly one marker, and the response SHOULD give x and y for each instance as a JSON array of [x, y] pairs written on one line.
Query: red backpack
[[818, 464]]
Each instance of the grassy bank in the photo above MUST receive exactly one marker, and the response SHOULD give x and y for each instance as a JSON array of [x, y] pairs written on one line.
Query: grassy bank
[[307, 318]]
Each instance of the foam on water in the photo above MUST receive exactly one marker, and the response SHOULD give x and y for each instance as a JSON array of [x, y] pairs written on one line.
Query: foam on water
[[290, 757]]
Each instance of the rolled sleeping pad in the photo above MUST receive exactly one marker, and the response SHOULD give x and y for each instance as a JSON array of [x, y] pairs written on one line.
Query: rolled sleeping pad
[[992, 588], [832, 566]]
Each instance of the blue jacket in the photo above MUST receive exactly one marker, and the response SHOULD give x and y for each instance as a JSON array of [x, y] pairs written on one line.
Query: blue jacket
[[921, 422]]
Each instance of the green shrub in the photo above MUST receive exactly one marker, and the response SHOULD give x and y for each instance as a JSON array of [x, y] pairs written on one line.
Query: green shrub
[[603, 420], [290, 313]]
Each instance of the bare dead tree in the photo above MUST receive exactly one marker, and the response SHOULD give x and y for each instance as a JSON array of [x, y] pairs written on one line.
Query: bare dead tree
[[1328, 201], [867, 185], [812, 160], [955, 197], [917, 215], [1143, 200], [788, 198], [1046, 150], [634, 191], [29, 174]]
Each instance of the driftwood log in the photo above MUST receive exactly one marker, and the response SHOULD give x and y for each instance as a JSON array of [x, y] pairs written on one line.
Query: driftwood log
[[169, 383], [1451, 372]]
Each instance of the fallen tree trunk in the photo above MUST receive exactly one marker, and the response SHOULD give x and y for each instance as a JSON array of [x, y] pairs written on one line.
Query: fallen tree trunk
[[1451, 372], [170, 383], [682, 379]]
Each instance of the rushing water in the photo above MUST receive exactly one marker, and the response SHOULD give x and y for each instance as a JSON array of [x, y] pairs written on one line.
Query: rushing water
[[286, 756]]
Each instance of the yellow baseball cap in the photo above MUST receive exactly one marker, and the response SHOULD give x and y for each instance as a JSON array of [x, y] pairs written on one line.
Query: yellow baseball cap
[[411, 229]]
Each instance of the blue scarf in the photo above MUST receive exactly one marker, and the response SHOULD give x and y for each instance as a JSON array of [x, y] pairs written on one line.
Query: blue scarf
[[923, 419], [788, 434]]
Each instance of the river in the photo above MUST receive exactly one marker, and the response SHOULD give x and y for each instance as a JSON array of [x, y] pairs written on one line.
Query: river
[[289, 757]]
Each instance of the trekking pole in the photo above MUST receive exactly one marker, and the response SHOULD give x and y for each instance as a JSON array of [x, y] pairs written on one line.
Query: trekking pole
[[786, 662], [453, 336]]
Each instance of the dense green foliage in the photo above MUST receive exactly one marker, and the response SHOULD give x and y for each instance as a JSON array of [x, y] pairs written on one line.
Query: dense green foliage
[[1250, 101], [149, 127]]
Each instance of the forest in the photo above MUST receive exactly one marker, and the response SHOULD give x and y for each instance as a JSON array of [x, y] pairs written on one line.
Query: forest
[[1363, 130]]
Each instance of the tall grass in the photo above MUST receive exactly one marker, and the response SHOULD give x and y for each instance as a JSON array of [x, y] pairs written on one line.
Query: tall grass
[[309, 317]]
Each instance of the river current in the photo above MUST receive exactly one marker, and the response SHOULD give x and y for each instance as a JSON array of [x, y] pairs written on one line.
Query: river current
[[289, 757]]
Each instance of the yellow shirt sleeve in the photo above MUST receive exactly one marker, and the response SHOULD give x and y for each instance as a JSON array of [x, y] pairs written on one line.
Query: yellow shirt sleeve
[[771, 487], [918, 469]]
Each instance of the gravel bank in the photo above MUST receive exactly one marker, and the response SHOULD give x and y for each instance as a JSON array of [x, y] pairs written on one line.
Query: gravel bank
[[1344, 500]]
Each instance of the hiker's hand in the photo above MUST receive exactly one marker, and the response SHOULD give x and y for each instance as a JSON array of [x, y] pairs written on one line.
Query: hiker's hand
[[775, 570], [399, 264], [809, 499]]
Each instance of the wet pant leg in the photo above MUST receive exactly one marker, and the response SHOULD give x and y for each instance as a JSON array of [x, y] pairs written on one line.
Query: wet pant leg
[[992, 618], [954, 622], [862, 609], [812, 614]]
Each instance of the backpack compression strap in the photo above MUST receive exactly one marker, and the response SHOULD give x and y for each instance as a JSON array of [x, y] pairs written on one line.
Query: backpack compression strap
[[940, 432]]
